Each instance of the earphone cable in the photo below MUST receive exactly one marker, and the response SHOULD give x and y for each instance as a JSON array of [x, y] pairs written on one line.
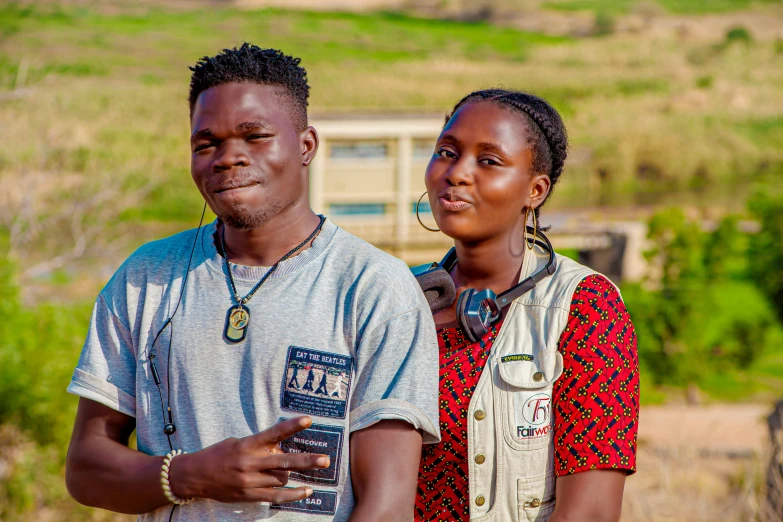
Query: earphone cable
[[184, 279], [168, 385], [168, 322]]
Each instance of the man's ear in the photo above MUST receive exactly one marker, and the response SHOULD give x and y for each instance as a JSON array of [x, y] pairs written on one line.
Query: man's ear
[[308, 139], [539, 189]]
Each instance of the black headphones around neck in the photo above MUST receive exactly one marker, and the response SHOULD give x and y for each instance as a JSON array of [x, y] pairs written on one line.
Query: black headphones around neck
[[477, 310]]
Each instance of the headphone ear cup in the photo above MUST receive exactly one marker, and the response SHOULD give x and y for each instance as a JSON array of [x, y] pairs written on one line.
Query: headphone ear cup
[[438, 288], [462, 305]]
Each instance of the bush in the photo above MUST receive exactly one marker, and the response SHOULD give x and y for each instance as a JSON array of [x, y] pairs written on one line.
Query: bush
[[765, 258], [704, 315], [705, 82], [39, 347], [604, 24], [738, 35]]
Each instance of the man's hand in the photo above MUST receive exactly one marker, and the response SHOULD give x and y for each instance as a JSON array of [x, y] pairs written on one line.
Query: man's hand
[[251, 469], [102, 471]]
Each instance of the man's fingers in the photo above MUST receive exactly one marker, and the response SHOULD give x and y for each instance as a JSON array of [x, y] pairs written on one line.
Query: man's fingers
[[279, 432], [294, 462], [279, 478], [271, 478], [279, 495]]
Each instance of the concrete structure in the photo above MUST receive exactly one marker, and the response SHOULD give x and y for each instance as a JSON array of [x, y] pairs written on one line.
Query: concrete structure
[[377, 164], [369, 174]]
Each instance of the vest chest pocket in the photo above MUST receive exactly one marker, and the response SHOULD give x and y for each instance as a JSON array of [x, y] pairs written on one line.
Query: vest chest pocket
[[526, 398]]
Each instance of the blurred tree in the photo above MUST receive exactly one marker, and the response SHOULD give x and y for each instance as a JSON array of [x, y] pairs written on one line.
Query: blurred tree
[[766, 250], [52, 220], [604, 23], [738, 35], [725, 251], [702, 314]]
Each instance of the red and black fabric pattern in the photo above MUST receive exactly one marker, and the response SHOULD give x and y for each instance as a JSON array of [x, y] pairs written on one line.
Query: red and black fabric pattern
[[443, 472], [596, 401]]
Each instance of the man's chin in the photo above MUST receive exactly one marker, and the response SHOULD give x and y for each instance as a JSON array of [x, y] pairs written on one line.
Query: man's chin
[[243, 218]]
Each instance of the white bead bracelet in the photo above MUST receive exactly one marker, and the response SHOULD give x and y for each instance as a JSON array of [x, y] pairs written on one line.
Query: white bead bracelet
[[164, 479]]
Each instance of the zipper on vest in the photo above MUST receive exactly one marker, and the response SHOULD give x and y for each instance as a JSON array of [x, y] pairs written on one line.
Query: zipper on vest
[[537, 502]]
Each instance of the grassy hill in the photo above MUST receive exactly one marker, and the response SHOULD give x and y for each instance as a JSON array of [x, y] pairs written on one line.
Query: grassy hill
[[648, 112]]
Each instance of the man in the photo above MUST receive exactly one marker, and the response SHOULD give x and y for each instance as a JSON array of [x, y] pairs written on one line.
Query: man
[[195, 339]]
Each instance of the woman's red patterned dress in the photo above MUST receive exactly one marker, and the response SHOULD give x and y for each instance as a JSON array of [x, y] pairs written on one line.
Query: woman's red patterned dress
[[600, 377]]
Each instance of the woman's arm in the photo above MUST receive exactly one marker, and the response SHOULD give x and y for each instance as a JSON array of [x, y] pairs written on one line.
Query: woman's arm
[[590, 496], [597, 406], [384, 468]]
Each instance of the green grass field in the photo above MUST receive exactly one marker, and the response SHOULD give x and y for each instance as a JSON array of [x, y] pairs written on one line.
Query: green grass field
[[647, 114]]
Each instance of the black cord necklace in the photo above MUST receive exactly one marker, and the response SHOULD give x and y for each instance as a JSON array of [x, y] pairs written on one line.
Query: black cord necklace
[[238, 316]]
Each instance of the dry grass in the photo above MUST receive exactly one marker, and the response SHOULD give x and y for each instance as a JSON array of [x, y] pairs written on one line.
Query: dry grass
[[681, 486], [652, 108], [699, 464]]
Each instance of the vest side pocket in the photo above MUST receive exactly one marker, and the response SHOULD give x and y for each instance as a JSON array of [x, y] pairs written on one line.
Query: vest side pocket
[[536, 497]]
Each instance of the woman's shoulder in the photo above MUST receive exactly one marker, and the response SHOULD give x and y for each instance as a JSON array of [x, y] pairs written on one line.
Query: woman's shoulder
[[593, 286], [597, 318], [556, 290]]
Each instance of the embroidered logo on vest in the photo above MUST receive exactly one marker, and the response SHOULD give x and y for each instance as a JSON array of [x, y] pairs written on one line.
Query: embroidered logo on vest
[[536, 417]]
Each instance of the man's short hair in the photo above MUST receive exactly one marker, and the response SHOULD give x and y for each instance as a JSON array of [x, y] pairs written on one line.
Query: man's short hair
[[252, 64]]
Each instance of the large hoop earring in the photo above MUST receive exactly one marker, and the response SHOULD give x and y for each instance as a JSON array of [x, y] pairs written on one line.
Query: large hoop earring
[[531, 244], [417, 215]]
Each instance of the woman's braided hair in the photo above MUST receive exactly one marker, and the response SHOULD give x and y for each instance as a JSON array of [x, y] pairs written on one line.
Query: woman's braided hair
[[546, 132]]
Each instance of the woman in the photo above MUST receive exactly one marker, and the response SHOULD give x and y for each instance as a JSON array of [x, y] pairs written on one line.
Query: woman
[[546, 399]]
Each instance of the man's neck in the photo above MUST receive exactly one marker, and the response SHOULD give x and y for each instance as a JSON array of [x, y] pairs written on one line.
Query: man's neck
[[266, 244]]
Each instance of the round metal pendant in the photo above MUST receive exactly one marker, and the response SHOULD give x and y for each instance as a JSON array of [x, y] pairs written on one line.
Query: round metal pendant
[[238, 318]]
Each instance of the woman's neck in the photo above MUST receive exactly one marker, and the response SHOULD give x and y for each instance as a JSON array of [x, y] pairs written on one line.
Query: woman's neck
[[493, 263]]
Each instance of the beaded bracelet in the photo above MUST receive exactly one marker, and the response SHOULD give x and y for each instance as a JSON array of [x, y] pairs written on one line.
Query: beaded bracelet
[[164, 479]]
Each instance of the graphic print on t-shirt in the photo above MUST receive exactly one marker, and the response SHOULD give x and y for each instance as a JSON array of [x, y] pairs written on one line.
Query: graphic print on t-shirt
[[320, 439], [319, 503], [317, 383]]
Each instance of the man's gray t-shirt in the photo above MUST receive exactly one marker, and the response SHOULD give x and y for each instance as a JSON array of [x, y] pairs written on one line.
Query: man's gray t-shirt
[[340, 332]]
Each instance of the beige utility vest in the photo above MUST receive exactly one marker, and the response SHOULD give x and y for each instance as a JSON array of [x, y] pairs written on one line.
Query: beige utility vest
[[510, 439]]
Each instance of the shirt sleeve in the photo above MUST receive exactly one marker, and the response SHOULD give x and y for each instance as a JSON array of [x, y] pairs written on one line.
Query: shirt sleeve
[[397, 375], [597, 399], [106, 372]]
